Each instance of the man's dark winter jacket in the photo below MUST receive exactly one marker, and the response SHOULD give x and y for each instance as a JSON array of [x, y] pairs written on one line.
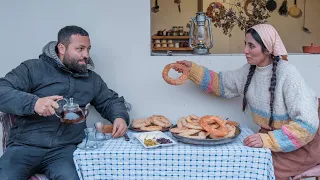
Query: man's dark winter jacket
[[47, 76]]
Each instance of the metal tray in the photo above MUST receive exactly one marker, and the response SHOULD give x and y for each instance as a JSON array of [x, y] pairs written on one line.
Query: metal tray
[[208, 141]]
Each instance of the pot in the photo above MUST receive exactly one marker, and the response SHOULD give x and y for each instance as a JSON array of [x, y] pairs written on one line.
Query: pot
[[160, 33], [271, 5], [313, 49], [71, 113]]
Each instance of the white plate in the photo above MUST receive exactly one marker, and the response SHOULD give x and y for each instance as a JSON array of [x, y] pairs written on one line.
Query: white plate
[[153, 135]]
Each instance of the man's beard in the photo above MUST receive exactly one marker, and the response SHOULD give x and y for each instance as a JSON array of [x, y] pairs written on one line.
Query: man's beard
[[74, 66]]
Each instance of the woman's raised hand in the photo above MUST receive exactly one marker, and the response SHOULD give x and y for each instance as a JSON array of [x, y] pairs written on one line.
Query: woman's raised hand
[[186, 63]]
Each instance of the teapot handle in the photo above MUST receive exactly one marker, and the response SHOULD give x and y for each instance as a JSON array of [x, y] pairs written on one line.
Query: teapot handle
[[57, 102], [86, 110]]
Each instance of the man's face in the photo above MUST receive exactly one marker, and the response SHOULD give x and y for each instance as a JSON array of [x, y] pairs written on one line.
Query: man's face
[[77, 53]]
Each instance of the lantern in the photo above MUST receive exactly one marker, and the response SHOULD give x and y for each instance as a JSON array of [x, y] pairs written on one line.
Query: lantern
[[200, 36]]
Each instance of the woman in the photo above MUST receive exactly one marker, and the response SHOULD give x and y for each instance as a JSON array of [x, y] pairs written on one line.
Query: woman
[[280, 101]]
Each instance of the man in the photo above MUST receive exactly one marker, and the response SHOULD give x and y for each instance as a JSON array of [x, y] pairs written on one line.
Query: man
[[38, 141]]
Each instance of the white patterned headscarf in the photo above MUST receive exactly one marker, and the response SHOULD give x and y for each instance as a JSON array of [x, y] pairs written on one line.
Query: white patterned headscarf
[[271, 40]]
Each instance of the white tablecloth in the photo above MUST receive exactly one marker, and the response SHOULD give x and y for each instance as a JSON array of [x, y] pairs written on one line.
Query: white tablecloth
[[120, 159]]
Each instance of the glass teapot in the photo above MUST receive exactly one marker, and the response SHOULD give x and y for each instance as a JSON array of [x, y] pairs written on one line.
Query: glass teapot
[[71, 113]]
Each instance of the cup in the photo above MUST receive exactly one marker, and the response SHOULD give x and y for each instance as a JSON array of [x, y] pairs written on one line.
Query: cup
[[91, 134], [90, 142], [99, 135], [94, 135], [107, 136]]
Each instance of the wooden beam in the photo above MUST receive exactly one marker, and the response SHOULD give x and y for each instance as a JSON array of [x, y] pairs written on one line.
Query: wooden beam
[[200, 5]]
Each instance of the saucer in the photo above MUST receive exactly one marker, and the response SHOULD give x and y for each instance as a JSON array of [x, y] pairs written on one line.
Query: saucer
[[91, 145]]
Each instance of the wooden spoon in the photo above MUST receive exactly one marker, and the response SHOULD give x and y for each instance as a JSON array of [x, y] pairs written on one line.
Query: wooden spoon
[[294, 11]]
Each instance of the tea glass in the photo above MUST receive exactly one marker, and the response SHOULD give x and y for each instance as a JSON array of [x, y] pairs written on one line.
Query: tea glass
[[90, 142], [100, 136]]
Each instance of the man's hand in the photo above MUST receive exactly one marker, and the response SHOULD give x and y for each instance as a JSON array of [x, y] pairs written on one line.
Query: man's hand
[[46, 106], [253, 141], [119, 128]]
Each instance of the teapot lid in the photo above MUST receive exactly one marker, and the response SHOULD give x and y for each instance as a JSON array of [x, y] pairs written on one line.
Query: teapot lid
[[70, 104]]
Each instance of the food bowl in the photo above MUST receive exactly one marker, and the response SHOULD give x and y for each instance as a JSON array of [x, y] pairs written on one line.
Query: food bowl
[[157, 137]]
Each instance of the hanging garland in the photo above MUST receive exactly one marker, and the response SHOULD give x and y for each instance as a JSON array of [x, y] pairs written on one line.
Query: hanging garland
[[237, 15]]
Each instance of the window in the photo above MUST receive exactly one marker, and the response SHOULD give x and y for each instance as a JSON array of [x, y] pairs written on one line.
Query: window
[[166, 17]]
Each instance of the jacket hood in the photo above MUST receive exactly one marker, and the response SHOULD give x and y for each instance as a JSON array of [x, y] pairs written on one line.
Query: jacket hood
[[50, 50]]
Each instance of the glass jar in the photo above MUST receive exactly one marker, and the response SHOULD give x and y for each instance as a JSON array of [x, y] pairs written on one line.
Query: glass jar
[[180, 30], [129, 108], [174, 28], [175, 33]]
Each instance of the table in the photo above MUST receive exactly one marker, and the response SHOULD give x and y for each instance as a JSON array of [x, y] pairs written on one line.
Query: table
[[120, 159]]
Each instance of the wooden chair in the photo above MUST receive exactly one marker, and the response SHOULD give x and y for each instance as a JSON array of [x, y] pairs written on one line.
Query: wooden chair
[[7, 121]]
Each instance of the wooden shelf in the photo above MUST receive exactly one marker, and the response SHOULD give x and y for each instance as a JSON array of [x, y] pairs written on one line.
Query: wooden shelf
[[171, 49], [181, 38], [169, 37]]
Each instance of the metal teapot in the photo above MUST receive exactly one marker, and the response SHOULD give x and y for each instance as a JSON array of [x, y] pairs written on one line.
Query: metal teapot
[[71, 113]]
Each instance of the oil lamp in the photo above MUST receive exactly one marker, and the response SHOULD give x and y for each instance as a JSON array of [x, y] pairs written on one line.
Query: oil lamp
[[200, 36]]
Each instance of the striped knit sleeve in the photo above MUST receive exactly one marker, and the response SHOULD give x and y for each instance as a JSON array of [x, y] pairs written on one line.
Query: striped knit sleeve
[[302, 107], [226, 84]]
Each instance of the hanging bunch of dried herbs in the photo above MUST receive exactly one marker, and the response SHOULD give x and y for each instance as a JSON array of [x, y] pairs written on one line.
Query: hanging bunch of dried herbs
[[237, 15], [283, 10]]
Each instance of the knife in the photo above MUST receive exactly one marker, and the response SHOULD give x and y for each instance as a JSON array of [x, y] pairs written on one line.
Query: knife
[[126, 137]]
